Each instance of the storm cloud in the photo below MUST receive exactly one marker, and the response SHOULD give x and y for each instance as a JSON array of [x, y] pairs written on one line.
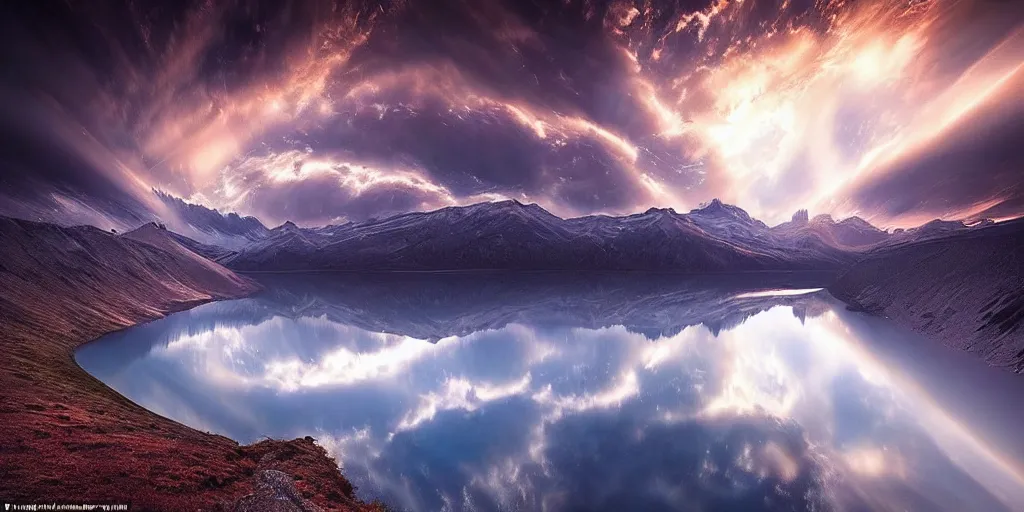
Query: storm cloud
[[324, 111]]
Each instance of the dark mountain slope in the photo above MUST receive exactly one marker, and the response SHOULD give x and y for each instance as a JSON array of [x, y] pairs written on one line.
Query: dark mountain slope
[[47, 266], [68, 437], [965, 290], [210, 252]]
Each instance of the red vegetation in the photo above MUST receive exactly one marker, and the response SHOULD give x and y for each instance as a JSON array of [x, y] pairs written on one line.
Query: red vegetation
[[65, 436]]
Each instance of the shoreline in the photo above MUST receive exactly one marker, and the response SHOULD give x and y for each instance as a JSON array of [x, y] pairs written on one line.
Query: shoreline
[[68, 438], [98, 446]]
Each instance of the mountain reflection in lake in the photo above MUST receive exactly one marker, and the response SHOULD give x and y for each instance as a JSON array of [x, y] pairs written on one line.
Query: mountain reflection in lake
[[555, 392]]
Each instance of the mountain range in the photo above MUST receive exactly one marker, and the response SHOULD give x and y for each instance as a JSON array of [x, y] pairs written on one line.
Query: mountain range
[[211, 227], [509, 235], [63, 286], [954, 282]]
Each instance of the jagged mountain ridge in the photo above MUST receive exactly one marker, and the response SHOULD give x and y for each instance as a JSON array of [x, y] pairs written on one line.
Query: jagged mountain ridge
[[513, 235], [211, 227]]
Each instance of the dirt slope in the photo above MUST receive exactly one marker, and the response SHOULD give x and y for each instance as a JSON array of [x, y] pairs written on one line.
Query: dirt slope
[[66, 437], [966, 291]]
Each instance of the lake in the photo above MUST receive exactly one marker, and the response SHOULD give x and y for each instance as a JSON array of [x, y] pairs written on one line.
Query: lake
[[588, 392]]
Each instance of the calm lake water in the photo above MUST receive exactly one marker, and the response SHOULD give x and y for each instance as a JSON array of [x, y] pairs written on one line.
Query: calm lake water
[[556, 392]]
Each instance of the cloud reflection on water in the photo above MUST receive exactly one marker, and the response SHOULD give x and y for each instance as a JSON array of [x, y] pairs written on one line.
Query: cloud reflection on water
[[788, 409]]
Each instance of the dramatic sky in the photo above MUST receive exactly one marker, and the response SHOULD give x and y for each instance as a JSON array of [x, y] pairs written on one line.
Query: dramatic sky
[[321, 111]]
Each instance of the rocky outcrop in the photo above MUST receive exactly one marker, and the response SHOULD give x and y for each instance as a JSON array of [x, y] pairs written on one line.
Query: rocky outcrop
[[275, 491]]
